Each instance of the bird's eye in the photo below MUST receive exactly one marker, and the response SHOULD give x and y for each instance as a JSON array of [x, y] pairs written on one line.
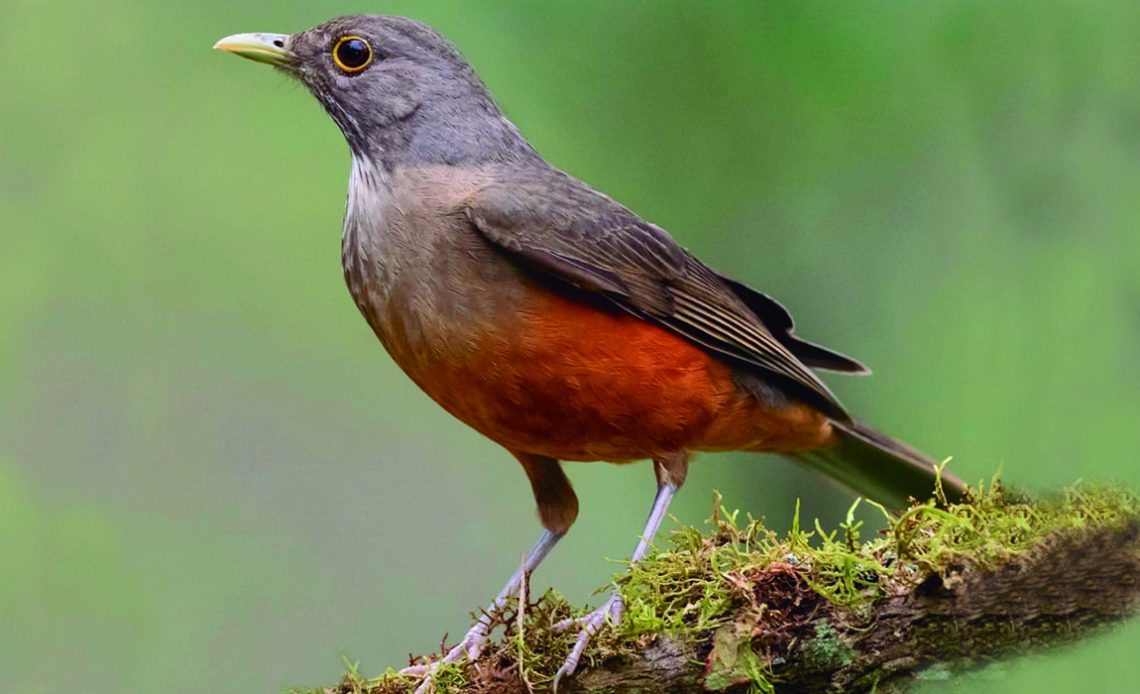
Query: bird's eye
[[352, 54]]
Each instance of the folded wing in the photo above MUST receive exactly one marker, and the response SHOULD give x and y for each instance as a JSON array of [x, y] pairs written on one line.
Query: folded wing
[[557, 225]]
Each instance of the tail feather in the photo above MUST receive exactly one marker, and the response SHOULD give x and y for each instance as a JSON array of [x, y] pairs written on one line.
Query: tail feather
[[879, 467]]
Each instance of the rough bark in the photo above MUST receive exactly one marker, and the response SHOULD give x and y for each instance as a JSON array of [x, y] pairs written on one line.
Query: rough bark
[[1063, 591]]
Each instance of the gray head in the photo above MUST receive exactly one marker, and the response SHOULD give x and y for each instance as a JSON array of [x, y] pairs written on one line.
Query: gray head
[[399, 91]]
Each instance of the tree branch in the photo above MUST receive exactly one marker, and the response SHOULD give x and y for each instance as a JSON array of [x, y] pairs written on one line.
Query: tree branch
[[944, 588]]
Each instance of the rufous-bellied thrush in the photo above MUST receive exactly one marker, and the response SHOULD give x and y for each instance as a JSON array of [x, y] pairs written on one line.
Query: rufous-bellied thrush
[[544, 314]]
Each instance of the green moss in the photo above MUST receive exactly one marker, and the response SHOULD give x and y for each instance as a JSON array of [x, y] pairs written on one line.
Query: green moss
[[827, 649], [749, 595]]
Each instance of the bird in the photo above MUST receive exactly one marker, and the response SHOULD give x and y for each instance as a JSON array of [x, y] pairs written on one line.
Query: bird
[[547, 316]]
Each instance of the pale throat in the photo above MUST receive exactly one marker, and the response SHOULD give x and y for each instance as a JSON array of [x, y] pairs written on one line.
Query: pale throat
[[369, 197]]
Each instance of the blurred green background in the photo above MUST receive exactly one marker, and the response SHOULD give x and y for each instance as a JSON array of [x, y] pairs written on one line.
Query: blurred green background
[[213, 478]]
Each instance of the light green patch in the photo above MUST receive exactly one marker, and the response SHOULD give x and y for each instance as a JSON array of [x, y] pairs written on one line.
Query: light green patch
[[827, 649], [733, 662]]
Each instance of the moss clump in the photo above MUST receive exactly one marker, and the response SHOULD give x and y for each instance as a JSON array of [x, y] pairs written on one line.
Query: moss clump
[[746, 601], [827, 648]]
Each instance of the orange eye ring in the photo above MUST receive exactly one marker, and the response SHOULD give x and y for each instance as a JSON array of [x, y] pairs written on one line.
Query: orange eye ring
[[352, 54]]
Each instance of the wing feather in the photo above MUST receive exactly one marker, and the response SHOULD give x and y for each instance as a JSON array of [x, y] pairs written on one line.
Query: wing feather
[[565, 229]]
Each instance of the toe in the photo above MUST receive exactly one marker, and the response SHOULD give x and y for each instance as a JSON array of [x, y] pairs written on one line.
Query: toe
[[613, 607], [469, 648], [590, 625], [571, 664], [416, 670], [565, 624], [465, 649]]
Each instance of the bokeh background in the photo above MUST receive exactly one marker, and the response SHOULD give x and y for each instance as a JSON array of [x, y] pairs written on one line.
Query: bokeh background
[[213, 479]]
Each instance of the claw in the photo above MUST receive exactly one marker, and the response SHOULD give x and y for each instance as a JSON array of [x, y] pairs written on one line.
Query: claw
[[613, 608], [469, 647], [472, 643], [590, 624]]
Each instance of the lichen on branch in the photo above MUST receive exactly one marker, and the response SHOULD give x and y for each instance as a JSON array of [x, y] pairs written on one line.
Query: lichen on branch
[[739, 608]]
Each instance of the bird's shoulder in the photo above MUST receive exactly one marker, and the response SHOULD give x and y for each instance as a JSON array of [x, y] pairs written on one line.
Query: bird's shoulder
[[541, 207]]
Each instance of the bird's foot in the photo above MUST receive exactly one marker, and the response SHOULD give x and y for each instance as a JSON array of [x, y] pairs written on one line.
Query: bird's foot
[[470, 647], [590, 624]]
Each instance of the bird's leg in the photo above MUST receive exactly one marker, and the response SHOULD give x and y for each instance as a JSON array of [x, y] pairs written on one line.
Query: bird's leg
[[476, 636], [557, 509], [670, 476], [613, 607]]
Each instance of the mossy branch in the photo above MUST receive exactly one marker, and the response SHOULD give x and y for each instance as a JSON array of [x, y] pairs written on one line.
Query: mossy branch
[[943, 589]]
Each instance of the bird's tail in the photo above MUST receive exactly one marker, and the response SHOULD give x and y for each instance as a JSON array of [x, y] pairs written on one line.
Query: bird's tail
[[879, 467]]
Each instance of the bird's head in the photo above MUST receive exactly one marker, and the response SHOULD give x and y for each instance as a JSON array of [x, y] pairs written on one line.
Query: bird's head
[[381, 78]]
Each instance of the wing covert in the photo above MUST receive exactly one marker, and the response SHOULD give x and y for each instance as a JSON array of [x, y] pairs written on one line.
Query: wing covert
[[565, 229]]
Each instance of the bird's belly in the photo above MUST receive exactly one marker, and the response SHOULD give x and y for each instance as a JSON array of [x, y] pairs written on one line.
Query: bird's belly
[[546, 374]]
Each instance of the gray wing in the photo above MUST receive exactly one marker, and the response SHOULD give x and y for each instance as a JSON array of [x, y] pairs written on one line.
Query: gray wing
[[559, 226], [777, 319]]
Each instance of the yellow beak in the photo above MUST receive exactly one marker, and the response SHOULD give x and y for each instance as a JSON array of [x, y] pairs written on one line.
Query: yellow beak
[[264, 48]]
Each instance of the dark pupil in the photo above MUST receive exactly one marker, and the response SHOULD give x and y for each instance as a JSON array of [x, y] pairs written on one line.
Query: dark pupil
[[352, 53]]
